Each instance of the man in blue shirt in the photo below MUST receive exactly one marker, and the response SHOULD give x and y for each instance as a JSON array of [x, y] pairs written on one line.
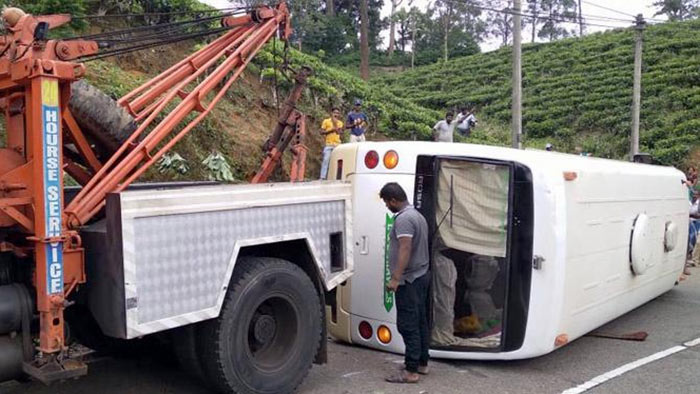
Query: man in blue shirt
[[357, 123]]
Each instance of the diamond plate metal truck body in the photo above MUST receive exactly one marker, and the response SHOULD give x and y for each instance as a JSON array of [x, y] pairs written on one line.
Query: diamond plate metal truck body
[[163, 258]]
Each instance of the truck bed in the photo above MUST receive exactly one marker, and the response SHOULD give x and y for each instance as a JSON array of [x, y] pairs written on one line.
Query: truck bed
[[163, 258]]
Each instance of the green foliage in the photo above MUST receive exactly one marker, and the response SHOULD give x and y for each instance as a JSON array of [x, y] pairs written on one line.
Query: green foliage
[[579, 91], [388, 113], [677, 10], [75, 8], [219, 169], [172, 162]]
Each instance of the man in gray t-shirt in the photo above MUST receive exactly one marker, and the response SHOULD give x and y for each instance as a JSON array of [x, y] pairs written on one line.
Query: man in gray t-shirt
[[409, 223], [409, 262]]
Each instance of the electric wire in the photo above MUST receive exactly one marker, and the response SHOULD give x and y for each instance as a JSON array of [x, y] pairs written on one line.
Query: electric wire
[[105, 16], [122, 51], [600, 18], [607, 8], [107, 34], [527, 15]]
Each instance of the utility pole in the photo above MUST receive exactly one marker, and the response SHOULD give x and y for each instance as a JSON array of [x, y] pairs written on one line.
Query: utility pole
[[637, 90], [580, 19], [517, 78]]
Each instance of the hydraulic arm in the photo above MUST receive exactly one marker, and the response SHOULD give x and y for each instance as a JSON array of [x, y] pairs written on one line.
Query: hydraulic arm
[[194, 87]]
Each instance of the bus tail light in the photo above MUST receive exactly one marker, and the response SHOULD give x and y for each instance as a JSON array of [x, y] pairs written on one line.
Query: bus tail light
[[391, 159], [371, 159], [384, 334], [365, 330]]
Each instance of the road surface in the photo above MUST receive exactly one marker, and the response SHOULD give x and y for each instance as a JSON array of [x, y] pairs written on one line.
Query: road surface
[[671, 320]]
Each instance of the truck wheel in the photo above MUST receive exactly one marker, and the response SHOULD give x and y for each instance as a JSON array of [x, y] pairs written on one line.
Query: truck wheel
[[186, 350], [102, 120], [268, 332]]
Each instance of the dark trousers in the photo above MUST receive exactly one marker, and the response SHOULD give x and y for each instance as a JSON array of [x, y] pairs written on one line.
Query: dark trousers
[[412, 321]]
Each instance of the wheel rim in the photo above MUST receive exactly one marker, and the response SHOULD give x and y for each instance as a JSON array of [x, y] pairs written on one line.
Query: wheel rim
[[272, 333]]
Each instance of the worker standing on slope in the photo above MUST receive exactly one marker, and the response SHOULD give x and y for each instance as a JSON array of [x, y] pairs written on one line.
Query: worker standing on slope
[[357, 123], [466, 120], [410, 279], [443, 131], [332, 130]]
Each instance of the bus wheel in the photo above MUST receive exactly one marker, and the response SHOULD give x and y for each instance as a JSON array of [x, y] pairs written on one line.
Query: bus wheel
[[268, 332]]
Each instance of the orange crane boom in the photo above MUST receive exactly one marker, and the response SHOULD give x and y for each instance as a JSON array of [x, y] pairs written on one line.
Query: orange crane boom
[[230, 54]]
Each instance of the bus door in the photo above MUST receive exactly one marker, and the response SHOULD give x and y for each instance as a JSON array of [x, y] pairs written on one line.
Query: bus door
[[480, 218]]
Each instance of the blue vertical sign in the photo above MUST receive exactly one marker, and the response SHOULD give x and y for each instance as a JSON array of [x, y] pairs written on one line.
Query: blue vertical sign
[[52, 184]]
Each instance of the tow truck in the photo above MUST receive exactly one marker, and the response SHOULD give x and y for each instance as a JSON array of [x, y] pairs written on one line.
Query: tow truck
[[234, 277]]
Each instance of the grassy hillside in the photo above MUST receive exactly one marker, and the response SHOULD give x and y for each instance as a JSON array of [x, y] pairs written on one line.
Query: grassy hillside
[[241, 122], [579, 91], [390, 115]]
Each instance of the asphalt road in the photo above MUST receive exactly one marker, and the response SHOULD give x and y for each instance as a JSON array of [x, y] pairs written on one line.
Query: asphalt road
[[671, 320]]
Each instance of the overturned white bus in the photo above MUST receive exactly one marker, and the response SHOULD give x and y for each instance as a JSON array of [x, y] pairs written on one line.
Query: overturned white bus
[[530, 249]]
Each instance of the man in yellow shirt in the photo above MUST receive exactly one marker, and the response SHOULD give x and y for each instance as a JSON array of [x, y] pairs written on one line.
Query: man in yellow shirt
[[332, 130]]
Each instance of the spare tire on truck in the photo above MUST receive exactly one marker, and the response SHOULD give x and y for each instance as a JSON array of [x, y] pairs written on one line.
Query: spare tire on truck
[[268, 332], [104, 123]]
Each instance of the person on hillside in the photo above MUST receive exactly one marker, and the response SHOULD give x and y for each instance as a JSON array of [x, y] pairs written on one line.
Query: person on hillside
[[357, 123], [466, 120], [332, 130], [409, 265], [443, 131], [691, 177]]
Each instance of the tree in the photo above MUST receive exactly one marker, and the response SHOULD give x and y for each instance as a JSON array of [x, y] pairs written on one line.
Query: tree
[[351, 10], [445, 9], [46, 7], [392, 26], [534, 9], [414, 15], [428, 38], [364, 41], [403, 28], [499, 21], [549, 17], [552, 16], [678, 10], [501, 25], [330, 8], [470, 18]]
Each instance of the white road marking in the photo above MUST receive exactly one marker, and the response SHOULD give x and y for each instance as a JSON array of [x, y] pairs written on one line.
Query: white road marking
[[600, 379], [347, 375], [692, 343]]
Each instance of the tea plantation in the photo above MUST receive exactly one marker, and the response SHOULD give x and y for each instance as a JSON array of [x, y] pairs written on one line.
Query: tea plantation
[[579, 91], [393, 116]]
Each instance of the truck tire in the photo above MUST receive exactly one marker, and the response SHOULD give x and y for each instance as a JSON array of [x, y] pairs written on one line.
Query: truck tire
[[186, 350], [268, 332], [104, 123]]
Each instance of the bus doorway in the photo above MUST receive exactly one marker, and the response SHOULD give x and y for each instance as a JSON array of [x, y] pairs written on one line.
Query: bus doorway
[[480, 217]]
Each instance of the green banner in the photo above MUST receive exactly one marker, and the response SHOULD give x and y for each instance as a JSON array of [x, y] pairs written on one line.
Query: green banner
[[388, 295]]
